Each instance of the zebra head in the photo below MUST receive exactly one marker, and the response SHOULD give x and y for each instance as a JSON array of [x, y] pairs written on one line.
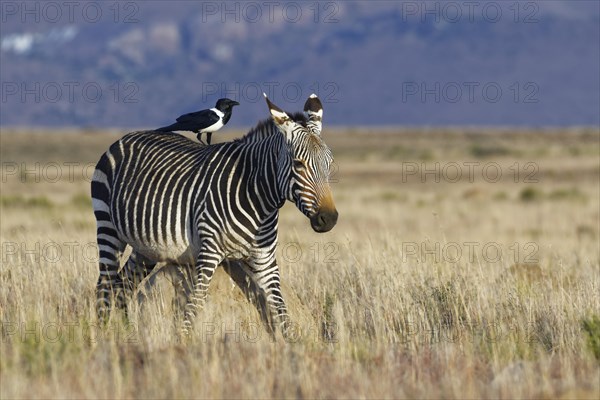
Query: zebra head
[[306, 166]]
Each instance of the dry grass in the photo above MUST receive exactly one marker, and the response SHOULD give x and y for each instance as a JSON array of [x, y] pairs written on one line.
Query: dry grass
[[423, 289]]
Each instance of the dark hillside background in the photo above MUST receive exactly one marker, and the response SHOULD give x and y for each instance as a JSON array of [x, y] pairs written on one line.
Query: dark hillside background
[[140, 64]]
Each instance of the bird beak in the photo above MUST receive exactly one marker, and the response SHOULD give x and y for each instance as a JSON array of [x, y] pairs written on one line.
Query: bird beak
[[234, 103]]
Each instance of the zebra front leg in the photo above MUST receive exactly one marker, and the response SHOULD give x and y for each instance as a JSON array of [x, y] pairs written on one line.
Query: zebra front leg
[[205, 269], [266, 276]]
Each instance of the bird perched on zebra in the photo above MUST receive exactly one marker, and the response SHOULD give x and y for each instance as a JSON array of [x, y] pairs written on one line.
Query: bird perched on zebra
[[205, 121], [200, 206]]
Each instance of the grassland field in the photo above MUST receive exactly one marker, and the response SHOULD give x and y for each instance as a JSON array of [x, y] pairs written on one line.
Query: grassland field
[[465, 264]]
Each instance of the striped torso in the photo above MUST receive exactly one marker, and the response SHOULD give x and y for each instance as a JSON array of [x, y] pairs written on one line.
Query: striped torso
[[169, 193]]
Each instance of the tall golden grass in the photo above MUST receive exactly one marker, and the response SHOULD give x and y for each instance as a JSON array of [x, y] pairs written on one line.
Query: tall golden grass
[[430, 286]]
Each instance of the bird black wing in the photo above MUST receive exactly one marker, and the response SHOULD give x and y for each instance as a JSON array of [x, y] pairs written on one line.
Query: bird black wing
[[202, 118], [195, 122]]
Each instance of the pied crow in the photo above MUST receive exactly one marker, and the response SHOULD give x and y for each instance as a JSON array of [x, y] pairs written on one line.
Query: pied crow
[[208, 121]]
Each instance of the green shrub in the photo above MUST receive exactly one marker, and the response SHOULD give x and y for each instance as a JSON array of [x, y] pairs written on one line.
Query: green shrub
[[393, 196], [22, 202], [500, 196], [591, 327], [82, 200], [480, 151], [567, 194], [530, 194]]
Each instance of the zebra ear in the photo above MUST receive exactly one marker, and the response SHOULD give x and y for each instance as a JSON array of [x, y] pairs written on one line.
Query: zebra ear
[[314, 109], [282, 120]]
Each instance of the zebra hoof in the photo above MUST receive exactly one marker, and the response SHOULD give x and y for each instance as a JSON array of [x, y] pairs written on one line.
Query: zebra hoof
[[103, 310], [186, 328], [291, 332]]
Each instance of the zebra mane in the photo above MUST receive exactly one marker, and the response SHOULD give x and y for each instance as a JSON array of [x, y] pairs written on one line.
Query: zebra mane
[[267, 128]]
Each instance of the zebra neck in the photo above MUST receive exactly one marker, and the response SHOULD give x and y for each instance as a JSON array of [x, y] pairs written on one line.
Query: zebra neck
[[267, 177]]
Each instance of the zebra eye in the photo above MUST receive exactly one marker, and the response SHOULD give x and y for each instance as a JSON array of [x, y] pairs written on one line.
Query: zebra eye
[[299, 164]]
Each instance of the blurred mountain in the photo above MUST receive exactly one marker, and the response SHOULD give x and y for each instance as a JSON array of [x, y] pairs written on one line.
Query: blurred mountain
[[141, 64]]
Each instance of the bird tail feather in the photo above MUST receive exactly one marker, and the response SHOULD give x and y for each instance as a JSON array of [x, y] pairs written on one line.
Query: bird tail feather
[[169, 128]]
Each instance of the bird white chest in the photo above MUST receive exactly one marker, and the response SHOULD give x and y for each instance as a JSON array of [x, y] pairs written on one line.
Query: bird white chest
[[217, 125]]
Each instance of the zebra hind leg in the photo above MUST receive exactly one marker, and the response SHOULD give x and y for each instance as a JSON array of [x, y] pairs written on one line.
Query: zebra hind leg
[[110, 284]]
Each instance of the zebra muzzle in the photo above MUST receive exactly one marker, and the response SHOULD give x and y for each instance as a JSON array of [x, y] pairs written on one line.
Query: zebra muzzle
[[324, 221]]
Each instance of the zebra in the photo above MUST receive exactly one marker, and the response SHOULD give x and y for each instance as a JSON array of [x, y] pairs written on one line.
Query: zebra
[[173, 200]]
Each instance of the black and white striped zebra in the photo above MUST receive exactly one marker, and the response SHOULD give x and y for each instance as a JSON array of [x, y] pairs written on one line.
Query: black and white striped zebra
[[175, 201]]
